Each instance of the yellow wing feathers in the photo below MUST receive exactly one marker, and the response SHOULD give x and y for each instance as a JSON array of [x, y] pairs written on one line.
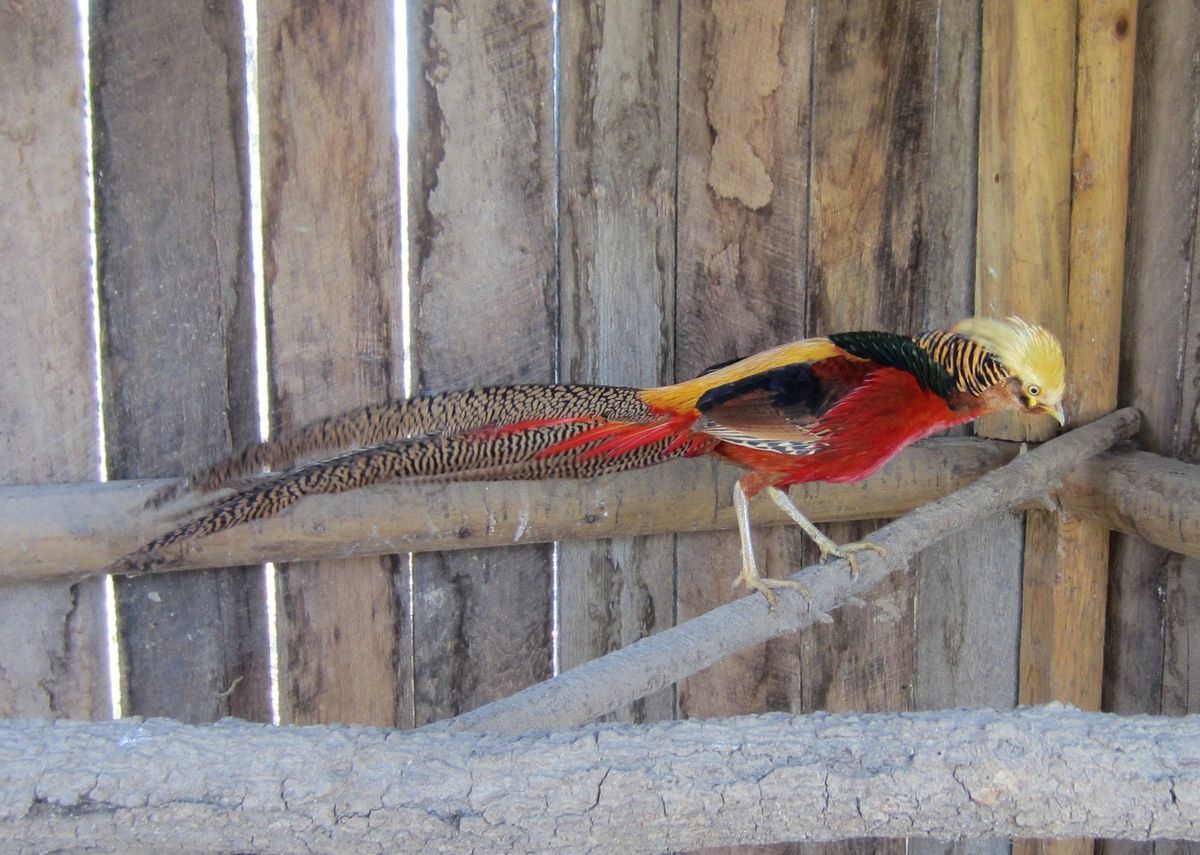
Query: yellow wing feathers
[[682, 397]]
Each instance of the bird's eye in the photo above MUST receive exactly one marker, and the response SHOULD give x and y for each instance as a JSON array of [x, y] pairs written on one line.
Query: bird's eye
[[1033, 391]]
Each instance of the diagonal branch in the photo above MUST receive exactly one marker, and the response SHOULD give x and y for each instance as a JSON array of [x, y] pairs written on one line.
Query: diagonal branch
[[597, 687]]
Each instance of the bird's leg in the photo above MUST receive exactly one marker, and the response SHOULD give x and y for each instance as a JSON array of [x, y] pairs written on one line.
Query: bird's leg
[[827, 546], [749, 575]]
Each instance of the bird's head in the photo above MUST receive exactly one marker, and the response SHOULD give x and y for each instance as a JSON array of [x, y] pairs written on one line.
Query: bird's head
[[1033, 359]]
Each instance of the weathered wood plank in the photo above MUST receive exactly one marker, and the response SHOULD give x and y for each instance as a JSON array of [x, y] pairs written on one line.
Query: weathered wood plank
[[482, 181], [872, 132], [1025, 123], [617, 117], [960, 583], [332, 271], [1026, 91], [1181, 658], [967, 610], [52, 653], [873, 110], [743, 151], [1066, 562], [1164, 192], [1067, 558], [174, 267]]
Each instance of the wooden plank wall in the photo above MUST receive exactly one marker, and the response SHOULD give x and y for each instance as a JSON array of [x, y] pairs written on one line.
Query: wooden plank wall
[[331, 267], [705, 179], [483, 201], [52, 637], [617, 142], [173, 237]]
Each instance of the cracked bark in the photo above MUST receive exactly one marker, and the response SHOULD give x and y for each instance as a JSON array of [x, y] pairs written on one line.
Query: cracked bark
[[1045, 771]]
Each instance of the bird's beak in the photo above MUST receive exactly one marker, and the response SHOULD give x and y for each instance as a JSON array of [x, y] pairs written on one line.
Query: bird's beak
[[1059, 413]]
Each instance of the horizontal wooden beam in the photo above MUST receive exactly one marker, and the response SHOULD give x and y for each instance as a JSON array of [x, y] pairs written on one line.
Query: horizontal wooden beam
[[56, 530], [66, 530], [1155, 498], [669, 786]]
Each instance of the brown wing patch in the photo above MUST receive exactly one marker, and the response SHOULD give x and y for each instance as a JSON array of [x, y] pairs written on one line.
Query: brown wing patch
[[780, 409]]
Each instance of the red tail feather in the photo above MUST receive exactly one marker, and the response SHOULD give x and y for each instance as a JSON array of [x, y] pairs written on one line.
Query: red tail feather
[[616, 439]]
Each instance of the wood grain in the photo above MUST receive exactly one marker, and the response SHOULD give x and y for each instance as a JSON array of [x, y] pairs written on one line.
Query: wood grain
[[1025, 125], [174, 267], [482, 179], [968, 588], [52, 655], [1067, 558], [1160, 295], [332, 273], [1066, 565], [617, 107], [872, 131], [743, 150]]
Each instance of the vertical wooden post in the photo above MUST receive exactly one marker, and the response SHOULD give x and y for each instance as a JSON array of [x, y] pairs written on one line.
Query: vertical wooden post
[[483, 192], [743, 143], [1060, 248], [1066, 558], [52, 651], [1025, 110], [617, 105], [178, 359], [331, 265], [1151, 590]]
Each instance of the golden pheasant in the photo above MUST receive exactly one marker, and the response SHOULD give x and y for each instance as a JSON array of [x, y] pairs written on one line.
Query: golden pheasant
[[834, 408]]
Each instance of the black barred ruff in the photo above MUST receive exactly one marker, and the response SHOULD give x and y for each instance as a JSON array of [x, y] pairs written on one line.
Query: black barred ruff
[[973, 367]]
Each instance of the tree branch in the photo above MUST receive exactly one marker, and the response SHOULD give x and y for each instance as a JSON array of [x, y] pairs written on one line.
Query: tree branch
[[236, 786], [60, 530], [68, 530], [594, 688]]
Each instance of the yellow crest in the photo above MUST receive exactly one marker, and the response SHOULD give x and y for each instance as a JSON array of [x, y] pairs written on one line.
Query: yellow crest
[[1030, 353]]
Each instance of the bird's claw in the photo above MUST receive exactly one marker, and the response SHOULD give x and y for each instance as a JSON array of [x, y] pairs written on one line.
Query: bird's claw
[[754, 582], [847, 550]]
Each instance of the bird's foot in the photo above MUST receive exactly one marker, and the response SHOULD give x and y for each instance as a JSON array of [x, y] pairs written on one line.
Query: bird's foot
[[750, 578], [847, 550]]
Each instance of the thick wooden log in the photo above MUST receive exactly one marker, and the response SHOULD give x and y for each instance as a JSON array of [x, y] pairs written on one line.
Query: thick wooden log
[[159, 785]]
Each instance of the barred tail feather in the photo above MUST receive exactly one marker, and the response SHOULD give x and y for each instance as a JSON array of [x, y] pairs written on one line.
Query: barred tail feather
[[569, 447], [448, 413]]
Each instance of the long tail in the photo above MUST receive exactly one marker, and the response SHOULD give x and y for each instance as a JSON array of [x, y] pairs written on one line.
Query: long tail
[[448, 413], [528, 432]]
